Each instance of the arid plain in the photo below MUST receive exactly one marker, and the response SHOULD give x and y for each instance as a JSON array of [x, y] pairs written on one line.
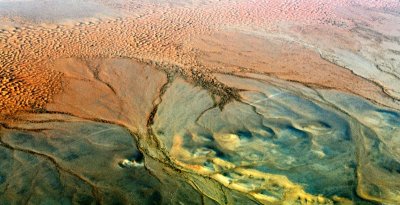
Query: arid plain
[[200, 102]]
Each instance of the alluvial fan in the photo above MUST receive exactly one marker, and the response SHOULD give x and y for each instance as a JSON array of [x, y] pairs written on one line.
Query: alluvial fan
[[200, 102]]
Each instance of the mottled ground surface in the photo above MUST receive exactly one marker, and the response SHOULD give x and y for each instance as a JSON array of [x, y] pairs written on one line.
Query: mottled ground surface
[[200, 102]]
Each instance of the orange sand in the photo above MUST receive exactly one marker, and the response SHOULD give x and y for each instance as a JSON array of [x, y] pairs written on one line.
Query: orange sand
[[161, 32]]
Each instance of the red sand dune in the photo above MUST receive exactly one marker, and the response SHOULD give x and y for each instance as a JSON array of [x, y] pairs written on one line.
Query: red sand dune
[[159, 32]]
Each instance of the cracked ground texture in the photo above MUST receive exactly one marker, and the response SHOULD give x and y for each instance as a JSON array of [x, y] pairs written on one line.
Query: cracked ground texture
[[200, 102]]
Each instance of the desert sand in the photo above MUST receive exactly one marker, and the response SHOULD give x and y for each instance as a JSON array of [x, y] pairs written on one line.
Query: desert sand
[[200, 102]]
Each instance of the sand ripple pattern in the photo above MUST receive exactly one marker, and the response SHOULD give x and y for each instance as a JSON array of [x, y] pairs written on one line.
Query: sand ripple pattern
[[155, 31]]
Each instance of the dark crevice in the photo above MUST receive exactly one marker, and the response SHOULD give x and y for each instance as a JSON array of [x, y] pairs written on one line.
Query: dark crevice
[[17, 119], [31, 187], [204, 112], [4, 125], [389, 73], [94, 67], [156, 103], [163, 89], [223, 191], [198, 189], [151, 173]]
